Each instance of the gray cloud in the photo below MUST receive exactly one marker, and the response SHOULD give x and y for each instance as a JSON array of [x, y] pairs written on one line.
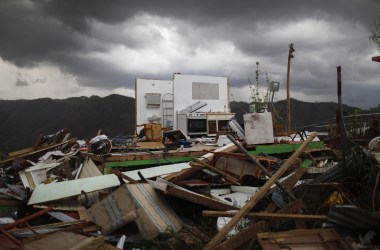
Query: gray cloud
[[21, 83], [216, 37]]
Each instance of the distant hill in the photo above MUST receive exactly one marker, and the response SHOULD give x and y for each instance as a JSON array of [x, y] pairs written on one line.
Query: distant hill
[[302, 113], [23, 120]]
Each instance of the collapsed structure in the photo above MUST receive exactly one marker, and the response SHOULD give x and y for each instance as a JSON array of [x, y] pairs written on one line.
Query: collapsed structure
[[178, 188]]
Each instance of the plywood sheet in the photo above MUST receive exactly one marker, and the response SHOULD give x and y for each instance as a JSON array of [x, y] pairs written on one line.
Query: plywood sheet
[[59, 190]]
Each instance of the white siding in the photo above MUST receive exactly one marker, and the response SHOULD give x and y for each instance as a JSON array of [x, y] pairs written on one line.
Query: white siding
[[214, 93], [183, 93], [149, 86]]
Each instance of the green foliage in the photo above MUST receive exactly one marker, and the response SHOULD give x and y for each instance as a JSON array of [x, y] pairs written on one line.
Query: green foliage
[[259, 99]]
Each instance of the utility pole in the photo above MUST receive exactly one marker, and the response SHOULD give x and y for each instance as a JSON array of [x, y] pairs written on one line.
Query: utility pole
[[290, 56]]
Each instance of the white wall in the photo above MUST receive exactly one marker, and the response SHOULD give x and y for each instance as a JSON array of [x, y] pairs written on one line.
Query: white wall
[[183, 93], [144, 86], [181, 88]]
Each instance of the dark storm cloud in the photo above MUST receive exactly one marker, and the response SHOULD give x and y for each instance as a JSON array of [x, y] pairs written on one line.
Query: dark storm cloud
[[65, 32], [77, 13], [28, 37]]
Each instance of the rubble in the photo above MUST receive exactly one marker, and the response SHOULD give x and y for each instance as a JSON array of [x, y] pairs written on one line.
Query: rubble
[[66, 193]]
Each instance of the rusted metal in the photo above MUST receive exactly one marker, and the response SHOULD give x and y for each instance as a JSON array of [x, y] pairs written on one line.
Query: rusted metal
[[9, 236]]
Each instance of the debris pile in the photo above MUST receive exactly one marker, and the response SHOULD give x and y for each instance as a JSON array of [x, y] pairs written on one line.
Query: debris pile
[[61, 194]]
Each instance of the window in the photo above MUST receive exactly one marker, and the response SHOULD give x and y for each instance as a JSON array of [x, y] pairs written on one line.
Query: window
[[153, 100], [205, 91]]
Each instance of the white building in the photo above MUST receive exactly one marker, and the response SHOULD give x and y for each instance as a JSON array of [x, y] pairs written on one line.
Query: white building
[[197, 105]]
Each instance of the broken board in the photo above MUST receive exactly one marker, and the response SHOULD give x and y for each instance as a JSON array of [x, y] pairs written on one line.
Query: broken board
[[59, 190]]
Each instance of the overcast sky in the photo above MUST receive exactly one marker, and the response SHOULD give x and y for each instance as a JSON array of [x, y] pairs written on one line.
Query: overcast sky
[[67, 48]]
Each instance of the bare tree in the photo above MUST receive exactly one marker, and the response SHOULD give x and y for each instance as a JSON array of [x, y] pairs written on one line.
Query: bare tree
[[375, 32]]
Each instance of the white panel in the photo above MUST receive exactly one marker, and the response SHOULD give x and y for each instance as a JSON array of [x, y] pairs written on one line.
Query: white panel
[[64, 189], [182, 90], [153, 99], [258, 128], [143, 87], [205, 91]]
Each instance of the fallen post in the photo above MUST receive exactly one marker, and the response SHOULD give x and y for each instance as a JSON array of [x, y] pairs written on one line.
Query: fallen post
[[264, 215], [262, 168], [260, 194]]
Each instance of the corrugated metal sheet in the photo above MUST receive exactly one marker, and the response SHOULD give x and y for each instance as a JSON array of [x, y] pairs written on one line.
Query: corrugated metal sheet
[[353, 217]]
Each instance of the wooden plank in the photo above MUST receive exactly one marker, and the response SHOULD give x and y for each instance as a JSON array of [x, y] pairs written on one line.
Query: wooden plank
[[208, 213], [89, 169], [324, 238], [249, 235], [89, 243], [225, 175], [150, 145], [182, 193], [119, 174], [260, 194], [243, 237], [65, 189], [78, 223], [199, 199], [205, 158], [57, 240], [40, 150], [10, 203], [376, 58], [20, 152], [183, 175]]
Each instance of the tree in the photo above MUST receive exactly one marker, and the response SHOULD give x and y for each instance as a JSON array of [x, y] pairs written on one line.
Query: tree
[[375, 32], [258, 99]]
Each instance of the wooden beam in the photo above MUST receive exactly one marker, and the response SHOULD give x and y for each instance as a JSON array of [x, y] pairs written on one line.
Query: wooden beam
[[247, 237], [260, 194], [208, 213], [203, 200], [376, 58], [76, 224], [39, 150], [89, 243], [183, 175], [258, 164], [244, 236], [26, 218], [225, 175], [118, 173]]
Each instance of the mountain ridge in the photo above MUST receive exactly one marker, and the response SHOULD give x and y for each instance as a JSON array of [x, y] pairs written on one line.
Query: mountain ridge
[[24, 120]]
